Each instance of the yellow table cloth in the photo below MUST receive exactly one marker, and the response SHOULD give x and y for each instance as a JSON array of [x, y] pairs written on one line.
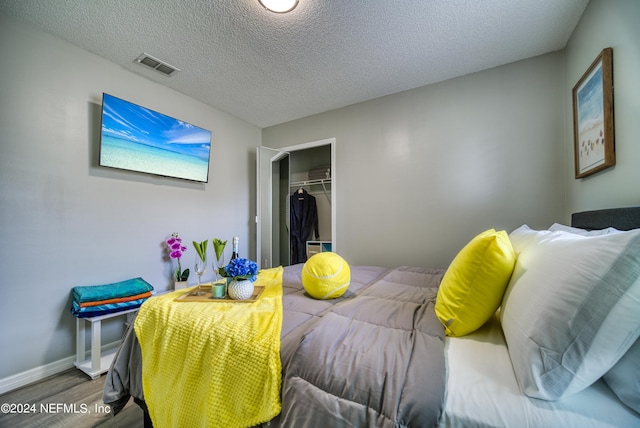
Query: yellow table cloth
[[212, 364]]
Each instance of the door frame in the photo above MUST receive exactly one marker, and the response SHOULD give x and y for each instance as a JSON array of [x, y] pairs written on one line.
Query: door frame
[[261, 199]]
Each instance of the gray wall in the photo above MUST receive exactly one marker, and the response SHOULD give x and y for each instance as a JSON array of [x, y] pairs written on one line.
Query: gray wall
[[607, 23], [423, 171], [66, 221]]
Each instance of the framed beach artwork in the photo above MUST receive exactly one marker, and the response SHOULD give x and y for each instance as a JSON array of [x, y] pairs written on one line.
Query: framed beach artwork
[[593, 117]]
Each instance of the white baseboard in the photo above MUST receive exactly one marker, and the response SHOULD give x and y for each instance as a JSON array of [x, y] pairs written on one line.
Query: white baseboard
[[25, 378], [36, 374]]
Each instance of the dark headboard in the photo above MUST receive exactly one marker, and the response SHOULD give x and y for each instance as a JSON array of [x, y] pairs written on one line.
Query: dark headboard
[[621, 218]]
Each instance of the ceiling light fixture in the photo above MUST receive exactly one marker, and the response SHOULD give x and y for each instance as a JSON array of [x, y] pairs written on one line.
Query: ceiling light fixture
[[279, 6]]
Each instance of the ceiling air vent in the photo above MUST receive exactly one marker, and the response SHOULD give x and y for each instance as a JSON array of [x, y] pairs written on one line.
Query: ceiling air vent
[[156, 64]]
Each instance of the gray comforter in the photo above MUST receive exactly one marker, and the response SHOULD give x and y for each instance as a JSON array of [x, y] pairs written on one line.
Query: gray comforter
[[374, 357]]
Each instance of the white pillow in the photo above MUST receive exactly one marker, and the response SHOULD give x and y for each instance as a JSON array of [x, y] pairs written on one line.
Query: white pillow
[[557, 227], [624, 377], [570, 310]]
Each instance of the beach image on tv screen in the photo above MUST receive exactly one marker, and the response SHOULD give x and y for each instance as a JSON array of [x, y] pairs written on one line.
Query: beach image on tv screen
[[138, 139]]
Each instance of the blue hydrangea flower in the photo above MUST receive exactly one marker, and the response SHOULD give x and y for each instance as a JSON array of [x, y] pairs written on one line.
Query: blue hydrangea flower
[[240, 269]]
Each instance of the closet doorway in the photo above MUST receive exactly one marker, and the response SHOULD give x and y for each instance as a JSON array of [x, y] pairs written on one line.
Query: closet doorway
[[281, 173]]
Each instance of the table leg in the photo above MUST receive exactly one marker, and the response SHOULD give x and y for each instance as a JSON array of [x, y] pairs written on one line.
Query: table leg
[[95, 345], [80, 340]]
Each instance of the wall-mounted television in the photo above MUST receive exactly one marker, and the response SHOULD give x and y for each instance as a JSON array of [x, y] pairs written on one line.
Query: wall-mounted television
[[138, 139]]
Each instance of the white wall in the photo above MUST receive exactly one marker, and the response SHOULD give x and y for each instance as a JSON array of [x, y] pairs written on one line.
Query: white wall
[[423, 171], [65, 221], [615, 24]]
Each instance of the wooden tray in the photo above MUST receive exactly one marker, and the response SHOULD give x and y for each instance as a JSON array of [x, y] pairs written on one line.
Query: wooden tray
[[206, 297]]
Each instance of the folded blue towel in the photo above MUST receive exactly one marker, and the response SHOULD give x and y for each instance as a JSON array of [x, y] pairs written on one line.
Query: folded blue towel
[[107, 308], [93, 293]]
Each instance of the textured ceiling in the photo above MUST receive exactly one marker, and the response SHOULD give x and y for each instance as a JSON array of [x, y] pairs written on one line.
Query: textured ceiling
[[270, 68]]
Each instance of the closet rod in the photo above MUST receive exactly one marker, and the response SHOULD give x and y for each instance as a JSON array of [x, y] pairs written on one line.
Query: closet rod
[[312, 182]]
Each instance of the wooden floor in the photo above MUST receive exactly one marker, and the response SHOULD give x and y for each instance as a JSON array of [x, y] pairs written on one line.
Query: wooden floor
[[68, 399]]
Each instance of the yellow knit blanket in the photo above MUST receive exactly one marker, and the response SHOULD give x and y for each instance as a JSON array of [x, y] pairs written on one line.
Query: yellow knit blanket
[[207, 364]]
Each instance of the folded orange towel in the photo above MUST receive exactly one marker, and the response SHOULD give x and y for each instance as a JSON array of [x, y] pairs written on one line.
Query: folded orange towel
[[116, 300]]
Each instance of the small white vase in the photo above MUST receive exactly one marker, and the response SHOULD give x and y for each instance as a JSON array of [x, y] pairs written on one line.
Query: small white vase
[[178, 285], [240, 290]]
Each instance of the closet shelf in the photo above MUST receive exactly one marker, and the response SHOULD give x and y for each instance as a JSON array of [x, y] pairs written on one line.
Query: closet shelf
[[309, 182]]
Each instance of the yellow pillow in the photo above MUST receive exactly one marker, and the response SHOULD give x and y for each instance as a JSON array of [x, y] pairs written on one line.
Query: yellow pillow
[[326, 275], [472, 287]]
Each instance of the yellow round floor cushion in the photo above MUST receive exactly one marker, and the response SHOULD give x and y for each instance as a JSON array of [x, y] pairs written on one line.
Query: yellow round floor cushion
[[474, 284], [326, 275]]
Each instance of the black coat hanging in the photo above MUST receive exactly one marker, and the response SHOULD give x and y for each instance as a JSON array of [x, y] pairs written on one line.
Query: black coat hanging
[[304, 221]]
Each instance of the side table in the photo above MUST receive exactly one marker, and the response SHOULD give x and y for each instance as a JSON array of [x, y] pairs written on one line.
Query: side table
[[96, 364]]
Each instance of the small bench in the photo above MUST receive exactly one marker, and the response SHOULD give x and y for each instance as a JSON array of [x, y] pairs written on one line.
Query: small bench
[[124, 297], [97, 363]]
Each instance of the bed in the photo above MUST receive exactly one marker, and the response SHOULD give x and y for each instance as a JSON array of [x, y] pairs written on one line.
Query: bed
[[381, 355]]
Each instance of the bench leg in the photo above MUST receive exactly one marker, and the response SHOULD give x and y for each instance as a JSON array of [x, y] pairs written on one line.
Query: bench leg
[[80, 340], [95, 345]]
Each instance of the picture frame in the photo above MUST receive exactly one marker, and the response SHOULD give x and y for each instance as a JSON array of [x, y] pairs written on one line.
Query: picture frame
[[593, 130]]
